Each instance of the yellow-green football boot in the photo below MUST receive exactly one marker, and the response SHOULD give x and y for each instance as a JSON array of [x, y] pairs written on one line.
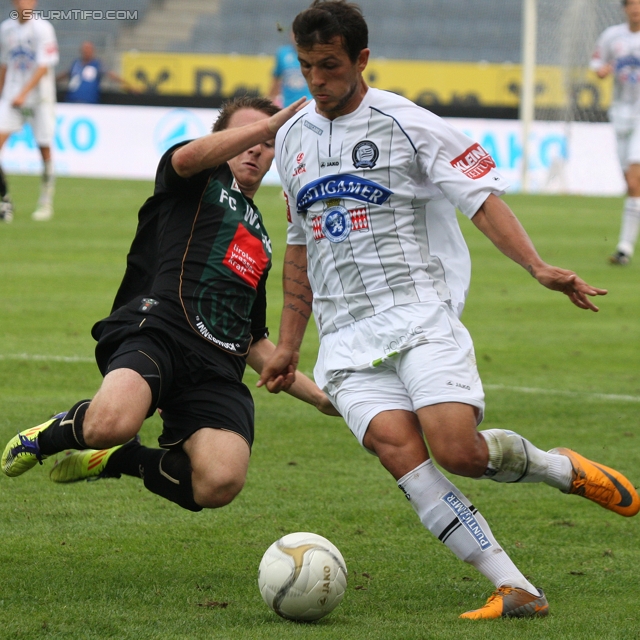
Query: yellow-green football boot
[[23, 452], [88, 464]]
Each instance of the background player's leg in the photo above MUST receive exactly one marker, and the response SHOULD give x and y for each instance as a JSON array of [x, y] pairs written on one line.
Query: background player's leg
[[6, 205], [630, 216], [44, 210]]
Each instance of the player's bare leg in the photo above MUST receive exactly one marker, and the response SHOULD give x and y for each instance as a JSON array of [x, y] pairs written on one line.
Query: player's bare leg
[[219, 463]]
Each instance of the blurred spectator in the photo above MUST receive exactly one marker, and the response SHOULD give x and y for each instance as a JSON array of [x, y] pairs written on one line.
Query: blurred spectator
[[288, 84], [85, 75]]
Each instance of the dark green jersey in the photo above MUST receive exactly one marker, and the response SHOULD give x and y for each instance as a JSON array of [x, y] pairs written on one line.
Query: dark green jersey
[[198, 264]]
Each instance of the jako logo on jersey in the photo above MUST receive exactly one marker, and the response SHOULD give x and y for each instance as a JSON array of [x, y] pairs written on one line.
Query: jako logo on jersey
[[313, 128], [341, 186], [475, 162], [336, 223], [300, 157], [365, 155], [466, 518]]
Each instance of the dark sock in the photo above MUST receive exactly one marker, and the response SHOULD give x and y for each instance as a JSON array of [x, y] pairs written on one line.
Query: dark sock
[[165, 473], [3, 184], [65, 433]]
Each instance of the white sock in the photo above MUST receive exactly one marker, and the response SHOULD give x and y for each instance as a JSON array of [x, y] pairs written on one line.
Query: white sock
[[514, 459], [454, 521], [630, 226], [47, 184]]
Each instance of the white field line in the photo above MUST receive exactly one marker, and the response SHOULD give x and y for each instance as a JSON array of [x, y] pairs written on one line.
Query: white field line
[[490, 387], [559, 392], [45, 358]]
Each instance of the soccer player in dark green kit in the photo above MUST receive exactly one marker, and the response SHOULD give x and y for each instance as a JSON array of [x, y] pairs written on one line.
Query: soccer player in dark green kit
[[189, 314]]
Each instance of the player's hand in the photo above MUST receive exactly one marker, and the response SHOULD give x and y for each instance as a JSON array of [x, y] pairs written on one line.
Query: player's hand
[[278, 119], [279, 371], [18, 101], [571, 285], [604, 71]]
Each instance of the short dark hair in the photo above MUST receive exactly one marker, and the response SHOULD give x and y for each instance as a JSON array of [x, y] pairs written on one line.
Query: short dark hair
[[326, 19], [243, 102]]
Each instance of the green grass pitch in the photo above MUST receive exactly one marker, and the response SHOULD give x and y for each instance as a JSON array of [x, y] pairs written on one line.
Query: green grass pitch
[[110, 560]]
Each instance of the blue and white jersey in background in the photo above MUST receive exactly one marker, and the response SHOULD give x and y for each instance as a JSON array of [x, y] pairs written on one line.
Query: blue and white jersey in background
[[84, 81], [620, 47], [24, 48], [287, 69], [371, 194]]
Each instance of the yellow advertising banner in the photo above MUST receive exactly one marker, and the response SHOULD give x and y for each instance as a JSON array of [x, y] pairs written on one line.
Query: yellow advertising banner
[[427, 83]]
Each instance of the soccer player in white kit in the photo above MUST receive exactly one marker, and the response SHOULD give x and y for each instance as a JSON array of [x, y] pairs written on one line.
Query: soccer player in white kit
[[28, 56], [618, 53], [374, 250]]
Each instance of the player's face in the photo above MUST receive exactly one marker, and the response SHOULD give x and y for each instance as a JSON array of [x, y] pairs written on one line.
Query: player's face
[[632, 9], [21, 5], [334, 81], [250, 166]]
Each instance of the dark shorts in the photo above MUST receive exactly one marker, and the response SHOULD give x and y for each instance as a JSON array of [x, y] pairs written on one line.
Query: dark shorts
[[193, 393]]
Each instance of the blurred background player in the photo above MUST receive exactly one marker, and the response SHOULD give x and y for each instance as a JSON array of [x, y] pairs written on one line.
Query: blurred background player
[[618, 53], [28, 55], [288, 84], [85, 75]]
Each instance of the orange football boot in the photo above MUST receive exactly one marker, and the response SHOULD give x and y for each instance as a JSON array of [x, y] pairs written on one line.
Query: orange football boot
[[510, 602], [608, 487]]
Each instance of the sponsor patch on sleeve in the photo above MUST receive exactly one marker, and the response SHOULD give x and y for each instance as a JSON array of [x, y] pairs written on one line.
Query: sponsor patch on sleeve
[[475, 162]]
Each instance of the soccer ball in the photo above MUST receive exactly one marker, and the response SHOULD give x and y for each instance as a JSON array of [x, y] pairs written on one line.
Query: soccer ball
[[302, 576]]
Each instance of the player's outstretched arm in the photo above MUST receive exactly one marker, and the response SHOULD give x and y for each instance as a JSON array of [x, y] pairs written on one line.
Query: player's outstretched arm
[[303, 387], [496, 220], [218, 147], [293, 322]]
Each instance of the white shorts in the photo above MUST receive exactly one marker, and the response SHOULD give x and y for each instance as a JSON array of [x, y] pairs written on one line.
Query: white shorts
[[627, 127], [434, 363], [42, 119]]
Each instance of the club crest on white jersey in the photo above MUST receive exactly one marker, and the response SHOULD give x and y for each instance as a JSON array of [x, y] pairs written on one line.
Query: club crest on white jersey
[[336, 223], [365, 155]]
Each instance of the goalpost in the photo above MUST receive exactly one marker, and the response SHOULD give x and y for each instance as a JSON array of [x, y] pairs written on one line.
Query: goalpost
[[557, 41]]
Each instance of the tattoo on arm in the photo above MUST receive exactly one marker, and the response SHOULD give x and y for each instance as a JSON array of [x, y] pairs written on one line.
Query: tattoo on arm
[[298, 310], [297, 291]]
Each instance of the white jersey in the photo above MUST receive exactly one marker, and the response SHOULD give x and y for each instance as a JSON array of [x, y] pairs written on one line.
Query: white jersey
[[620, 47], [23, 48], [366, 195]]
